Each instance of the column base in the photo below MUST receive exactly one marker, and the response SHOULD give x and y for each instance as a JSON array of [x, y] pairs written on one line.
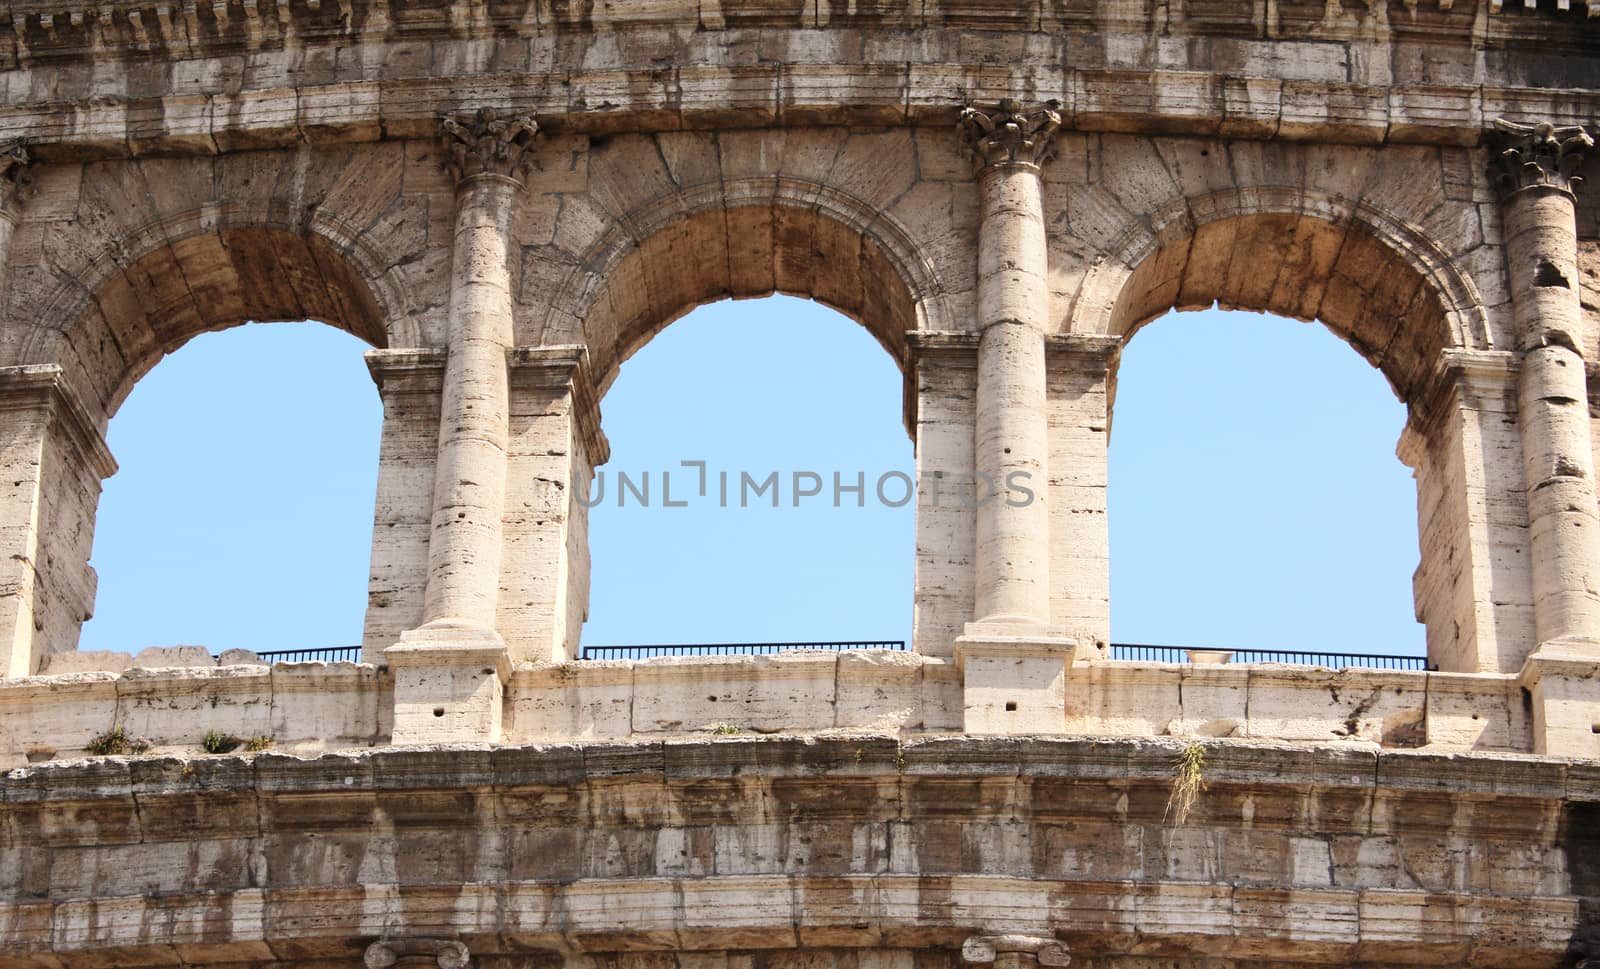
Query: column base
[[449, 683], [1014, 677], [1563, 679]]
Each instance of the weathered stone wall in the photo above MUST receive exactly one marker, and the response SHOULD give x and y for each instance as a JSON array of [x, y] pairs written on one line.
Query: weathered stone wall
[[1293, 857]]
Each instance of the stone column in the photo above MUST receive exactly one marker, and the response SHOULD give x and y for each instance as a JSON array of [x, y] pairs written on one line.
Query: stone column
[[1013, 660], [1013, 567], [446, 687], [1534, 168], [1015, 952]]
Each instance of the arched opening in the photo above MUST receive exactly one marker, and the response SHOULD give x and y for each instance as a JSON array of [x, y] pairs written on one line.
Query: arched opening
[[108, 325], [1255, 498], [1398, 302], [775, 548], [240, 517], [790, 358]]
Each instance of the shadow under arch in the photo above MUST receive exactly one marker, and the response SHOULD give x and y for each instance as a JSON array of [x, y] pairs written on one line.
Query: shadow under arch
[[1379, 284], [747, 239], [144, 296]]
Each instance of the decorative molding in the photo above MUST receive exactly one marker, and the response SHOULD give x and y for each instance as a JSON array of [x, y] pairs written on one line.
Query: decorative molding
[[486, 144], [36, 386], [982, 950], [1011, 134], [443, 953], [565, 366], [16, 172], [1532, 156]]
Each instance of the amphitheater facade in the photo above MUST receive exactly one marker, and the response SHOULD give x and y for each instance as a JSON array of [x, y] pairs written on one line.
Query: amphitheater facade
[[507, 198]]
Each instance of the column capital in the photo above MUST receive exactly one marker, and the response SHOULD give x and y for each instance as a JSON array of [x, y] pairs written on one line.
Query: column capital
[[983, 950], [484, 143], [443, 953], [1011, 134], [15, 173], [1536, 156]]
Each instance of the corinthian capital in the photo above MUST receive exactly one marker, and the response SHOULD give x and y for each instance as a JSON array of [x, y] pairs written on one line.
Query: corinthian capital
[[1010, 134], [14, 173], [1523, 156], [486, 144], [1024, 951], [418, 953]]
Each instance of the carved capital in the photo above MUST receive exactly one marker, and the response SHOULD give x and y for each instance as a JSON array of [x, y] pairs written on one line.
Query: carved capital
[[15, 173], [487, 144], [983, 950], [442, 953], [1011, 134], [1528, 156]]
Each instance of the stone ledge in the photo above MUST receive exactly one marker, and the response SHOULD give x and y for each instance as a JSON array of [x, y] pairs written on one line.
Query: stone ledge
[[778, 843]]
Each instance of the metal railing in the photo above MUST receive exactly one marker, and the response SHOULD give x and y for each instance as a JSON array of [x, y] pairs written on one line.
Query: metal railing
[[731, 649], [1335, 661], [324, 654], [1119, 651]]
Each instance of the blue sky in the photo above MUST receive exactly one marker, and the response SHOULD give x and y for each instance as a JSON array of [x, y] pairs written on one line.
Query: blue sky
[[1255, 499]]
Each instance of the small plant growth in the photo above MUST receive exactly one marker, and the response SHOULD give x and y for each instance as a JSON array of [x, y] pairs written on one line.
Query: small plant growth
[[217, 742], [258, 743], [115, 742], [724, 729], [1188, 783]]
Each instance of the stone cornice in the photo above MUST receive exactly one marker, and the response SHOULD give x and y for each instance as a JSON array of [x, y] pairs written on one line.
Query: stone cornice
[[486, 143], [561, 366], [1111, 100], [33, 386], [1011, 134], [1539, 155]]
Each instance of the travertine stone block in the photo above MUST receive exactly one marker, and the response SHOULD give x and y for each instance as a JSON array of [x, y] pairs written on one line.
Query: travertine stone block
[[1012, 684], [174, 657]]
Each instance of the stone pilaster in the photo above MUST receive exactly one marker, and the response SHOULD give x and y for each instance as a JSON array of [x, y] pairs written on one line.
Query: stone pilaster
[[1472, 588], [409, 382], [556, 443], [1012, 659], [52, 461], [1015, 952], [1534, 168], [1080, 384], [457, 649]]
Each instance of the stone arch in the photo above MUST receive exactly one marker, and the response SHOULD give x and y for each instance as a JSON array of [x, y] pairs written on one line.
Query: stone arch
[[145, 295], [763, 236], [1380, 284]]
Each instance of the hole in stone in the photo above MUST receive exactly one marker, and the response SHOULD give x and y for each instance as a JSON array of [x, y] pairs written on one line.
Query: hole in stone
[[1011, 706], [1595, 728], [1546, 274], [438, 711]]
